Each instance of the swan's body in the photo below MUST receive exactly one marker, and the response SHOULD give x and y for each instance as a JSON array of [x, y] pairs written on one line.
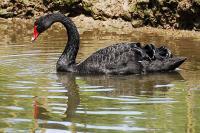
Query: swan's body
[[122, 58]]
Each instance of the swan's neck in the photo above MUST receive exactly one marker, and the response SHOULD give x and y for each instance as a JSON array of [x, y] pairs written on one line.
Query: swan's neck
[[68, 57]]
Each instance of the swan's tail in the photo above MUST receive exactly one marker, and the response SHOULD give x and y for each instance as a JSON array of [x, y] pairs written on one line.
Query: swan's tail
[[174, 62], [168, 64]]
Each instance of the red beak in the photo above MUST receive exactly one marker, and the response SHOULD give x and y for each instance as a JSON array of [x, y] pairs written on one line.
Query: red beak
[[35, 33]]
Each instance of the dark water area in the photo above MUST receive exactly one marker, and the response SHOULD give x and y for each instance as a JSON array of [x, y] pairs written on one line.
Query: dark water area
[[34, 98]]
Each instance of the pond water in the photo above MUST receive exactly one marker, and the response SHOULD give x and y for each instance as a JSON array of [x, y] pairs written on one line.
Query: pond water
[[34, 98]]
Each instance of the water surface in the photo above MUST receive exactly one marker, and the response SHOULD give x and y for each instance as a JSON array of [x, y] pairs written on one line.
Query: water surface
[[34, 98]]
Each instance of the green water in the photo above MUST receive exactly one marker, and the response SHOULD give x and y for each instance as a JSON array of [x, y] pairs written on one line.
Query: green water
[[34, 98]]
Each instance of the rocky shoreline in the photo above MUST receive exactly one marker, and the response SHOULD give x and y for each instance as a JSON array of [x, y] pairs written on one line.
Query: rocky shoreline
[[123, 14]]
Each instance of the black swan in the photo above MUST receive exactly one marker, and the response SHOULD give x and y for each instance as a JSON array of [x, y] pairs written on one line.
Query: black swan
[[121, 58]]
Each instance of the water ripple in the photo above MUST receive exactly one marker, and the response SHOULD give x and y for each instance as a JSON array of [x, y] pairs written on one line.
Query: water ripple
[[100, 127], [114, 98], [110, 112], [12, 108], [97, 90], [167, 85]]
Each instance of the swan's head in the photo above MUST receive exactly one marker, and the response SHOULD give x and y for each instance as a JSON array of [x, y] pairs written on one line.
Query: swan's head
[[41, 24]]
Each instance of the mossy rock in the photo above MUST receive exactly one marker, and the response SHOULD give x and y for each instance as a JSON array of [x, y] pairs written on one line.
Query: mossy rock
[[64, 2], [5, 14], [137, 23], [87, 6], [142, 1], [133, 8], [25, 1], [197, 2]]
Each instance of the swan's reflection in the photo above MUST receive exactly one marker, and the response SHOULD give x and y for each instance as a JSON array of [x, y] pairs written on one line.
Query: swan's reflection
[[132, 85], [124, 85], [69, 81], [42, 113]]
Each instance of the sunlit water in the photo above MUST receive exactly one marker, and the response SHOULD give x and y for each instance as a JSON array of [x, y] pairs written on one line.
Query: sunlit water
[[34, 98]]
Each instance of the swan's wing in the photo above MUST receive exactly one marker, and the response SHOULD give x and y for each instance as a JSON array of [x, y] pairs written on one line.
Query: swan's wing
[[118, 58], [129, 58]]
